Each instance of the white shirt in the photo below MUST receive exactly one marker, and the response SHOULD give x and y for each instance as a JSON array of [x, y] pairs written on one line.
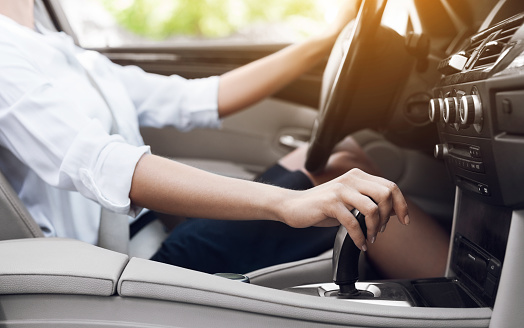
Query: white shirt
[[56, 149]]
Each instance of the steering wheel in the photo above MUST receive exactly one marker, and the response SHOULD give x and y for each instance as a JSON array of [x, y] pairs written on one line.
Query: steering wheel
[[341, 82]]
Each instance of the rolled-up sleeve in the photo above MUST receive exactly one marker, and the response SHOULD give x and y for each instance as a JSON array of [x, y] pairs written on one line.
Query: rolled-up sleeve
[[106, 174], [50, 127], [171, 100]]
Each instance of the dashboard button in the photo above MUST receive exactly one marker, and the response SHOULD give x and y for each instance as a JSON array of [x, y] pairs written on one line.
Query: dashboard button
[[510, 117], [453, 64], [494, 267], [475, 152], [484, 189], [440, 151], [473, 166]]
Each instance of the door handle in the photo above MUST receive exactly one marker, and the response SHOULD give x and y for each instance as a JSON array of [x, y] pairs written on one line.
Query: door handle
[[291, 141]]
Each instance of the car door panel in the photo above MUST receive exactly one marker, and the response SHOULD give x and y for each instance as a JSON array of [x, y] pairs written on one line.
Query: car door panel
[[208, 60], [251, 139]]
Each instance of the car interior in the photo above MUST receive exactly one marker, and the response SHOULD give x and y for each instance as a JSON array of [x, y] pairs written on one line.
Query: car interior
[[437, 106]]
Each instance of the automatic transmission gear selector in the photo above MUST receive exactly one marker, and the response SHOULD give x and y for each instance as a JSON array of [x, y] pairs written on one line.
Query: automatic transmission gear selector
[[345, 259]]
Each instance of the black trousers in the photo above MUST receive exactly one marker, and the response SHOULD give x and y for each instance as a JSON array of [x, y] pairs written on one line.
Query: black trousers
[[242, 246]]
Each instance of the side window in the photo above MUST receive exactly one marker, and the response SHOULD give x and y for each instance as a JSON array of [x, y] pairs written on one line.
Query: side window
[[116, 23]]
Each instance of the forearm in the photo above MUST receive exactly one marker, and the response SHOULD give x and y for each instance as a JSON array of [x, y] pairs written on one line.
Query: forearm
[[251, 83], [170, 187], [248, 84]]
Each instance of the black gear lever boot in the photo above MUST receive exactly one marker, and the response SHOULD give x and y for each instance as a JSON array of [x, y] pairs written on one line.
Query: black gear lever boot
[[345, 258]]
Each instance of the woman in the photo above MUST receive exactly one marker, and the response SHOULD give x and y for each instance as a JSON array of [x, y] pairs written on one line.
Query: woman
[[70, 149]]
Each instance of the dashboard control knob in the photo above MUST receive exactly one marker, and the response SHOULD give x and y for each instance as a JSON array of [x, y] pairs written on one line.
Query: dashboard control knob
[[436, 108], [441, 151], [470, 110], [450, 110]]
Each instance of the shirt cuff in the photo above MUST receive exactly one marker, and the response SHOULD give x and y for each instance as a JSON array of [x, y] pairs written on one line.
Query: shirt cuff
[[110, 181], [104, 166]]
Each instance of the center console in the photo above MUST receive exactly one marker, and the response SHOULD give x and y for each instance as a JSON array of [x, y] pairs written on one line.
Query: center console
[[478, 107]]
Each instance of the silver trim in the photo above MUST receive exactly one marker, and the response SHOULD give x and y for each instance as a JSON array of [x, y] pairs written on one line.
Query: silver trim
[[398, 295]]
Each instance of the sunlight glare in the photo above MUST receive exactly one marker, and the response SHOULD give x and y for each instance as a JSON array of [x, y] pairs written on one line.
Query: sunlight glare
[[123, 4], [396, 15], [330, 11]]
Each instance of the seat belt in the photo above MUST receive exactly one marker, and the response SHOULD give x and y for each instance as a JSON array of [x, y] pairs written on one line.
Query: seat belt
[[113, 233]]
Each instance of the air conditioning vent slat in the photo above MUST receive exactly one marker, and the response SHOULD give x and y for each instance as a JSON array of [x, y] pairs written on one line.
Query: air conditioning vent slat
[[504, 40], [491, 43], [489, 54], [510, 31], [486, 60], [474, 45], [471, 48]]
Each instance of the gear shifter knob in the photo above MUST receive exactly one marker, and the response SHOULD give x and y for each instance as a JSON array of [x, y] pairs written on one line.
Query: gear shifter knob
[[345, 258]]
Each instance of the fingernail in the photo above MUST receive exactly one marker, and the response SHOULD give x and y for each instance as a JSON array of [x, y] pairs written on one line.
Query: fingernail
[[373, 239], [383, 228], [364, 248], [406, 219]]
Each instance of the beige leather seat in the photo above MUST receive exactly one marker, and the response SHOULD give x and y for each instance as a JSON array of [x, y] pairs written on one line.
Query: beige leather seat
[[15, 220]]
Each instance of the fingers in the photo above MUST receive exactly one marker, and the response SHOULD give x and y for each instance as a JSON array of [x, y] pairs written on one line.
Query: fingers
[[376, 198], [384, 193], [368, 208], [346, 218], [330, 204]]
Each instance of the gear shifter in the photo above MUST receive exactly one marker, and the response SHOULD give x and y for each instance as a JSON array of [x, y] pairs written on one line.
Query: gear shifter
[[345, 259]]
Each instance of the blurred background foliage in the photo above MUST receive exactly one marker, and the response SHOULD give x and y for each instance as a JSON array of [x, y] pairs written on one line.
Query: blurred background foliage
[[160, 19]]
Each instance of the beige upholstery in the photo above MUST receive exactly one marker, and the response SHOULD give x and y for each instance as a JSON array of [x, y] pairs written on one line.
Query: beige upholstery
[[68, 268], [58, 266], [15, 220], [312, 270], [151, 280]]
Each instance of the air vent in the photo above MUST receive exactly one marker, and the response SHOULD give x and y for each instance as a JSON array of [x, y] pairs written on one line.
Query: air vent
[[489, 53], [474, 44], [486, 47]]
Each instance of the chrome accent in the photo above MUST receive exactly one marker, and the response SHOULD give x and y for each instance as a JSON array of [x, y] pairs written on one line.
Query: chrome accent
[[381, 293]]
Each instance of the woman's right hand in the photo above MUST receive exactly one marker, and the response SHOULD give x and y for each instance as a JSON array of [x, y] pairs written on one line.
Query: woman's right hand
[[329, 204]]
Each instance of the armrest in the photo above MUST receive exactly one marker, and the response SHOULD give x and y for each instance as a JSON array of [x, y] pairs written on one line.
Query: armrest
[[146, 279], [308, 271], [58, 266]]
